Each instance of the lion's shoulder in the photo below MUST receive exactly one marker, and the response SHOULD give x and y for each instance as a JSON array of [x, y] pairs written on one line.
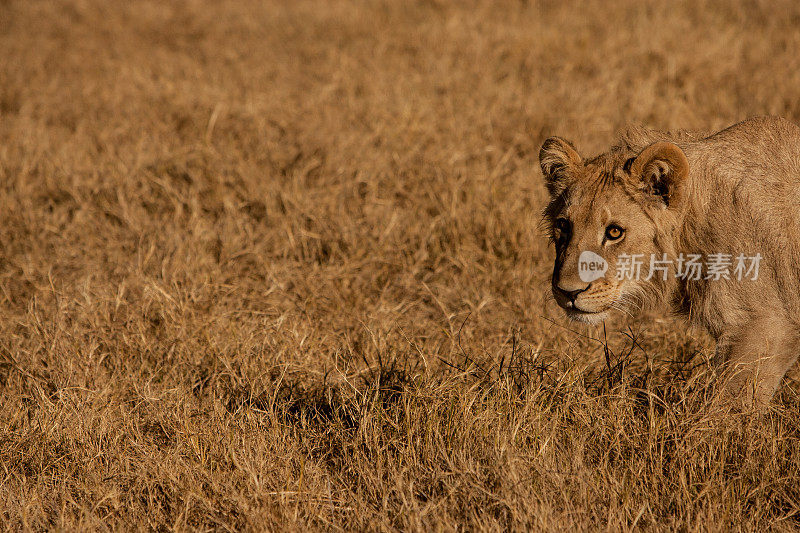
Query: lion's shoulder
[[760, 130]]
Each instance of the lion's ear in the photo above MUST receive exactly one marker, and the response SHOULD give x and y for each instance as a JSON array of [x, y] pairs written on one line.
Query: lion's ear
[[557, 158], [662, 170]]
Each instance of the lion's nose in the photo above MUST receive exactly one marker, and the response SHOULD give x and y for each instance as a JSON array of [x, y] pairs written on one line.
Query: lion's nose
[[571, 295]]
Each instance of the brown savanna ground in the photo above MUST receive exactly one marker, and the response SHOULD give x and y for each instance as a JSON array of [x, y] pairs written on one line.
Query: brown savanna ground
[[278, 265]]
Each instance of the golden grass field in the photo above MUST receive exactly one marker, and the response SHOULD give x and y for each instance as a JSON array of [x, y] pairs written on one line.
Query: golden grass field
[[279, 266]]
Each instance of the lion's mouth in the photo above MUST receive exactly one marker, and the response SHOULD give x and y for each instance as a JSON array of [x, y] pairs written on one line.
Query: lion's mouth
[[579, 311], [572, 307], [583, 315]]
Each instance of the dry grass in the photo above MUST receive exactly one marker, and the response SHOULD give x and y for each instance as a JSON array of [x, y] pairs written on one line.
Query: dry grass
[[278, 266]]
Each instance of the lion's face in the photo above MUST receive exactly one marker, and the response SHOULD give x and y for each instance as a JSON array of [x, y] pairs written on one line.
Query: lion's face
[[606, 215]]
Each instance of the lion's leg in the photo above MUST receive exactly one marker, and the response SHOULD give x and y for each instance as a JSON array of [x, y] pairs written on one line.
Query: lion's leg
[[756, 358]]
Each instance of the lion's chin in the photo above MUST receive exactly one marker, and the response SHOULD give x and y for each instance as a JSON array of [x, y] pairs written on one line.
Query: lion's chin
[[586, 317]]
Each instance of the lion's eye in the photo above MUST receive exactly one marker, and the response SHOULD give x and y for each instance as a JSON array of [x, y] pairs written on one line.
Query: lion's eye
[[614, 232]]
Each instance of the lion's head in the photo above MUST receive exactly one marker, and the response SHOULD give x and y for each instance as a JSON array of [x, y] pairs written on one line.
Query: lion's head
[[612, 211]]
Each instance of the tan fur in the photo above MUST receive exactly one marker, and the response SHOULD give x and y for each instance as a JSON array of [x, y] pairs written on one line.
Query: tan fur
[[734, 192]]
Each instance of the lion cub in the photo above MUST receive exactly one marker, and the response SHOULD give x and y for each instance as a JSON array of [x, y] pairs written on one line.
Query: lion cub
[[708, 224]]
